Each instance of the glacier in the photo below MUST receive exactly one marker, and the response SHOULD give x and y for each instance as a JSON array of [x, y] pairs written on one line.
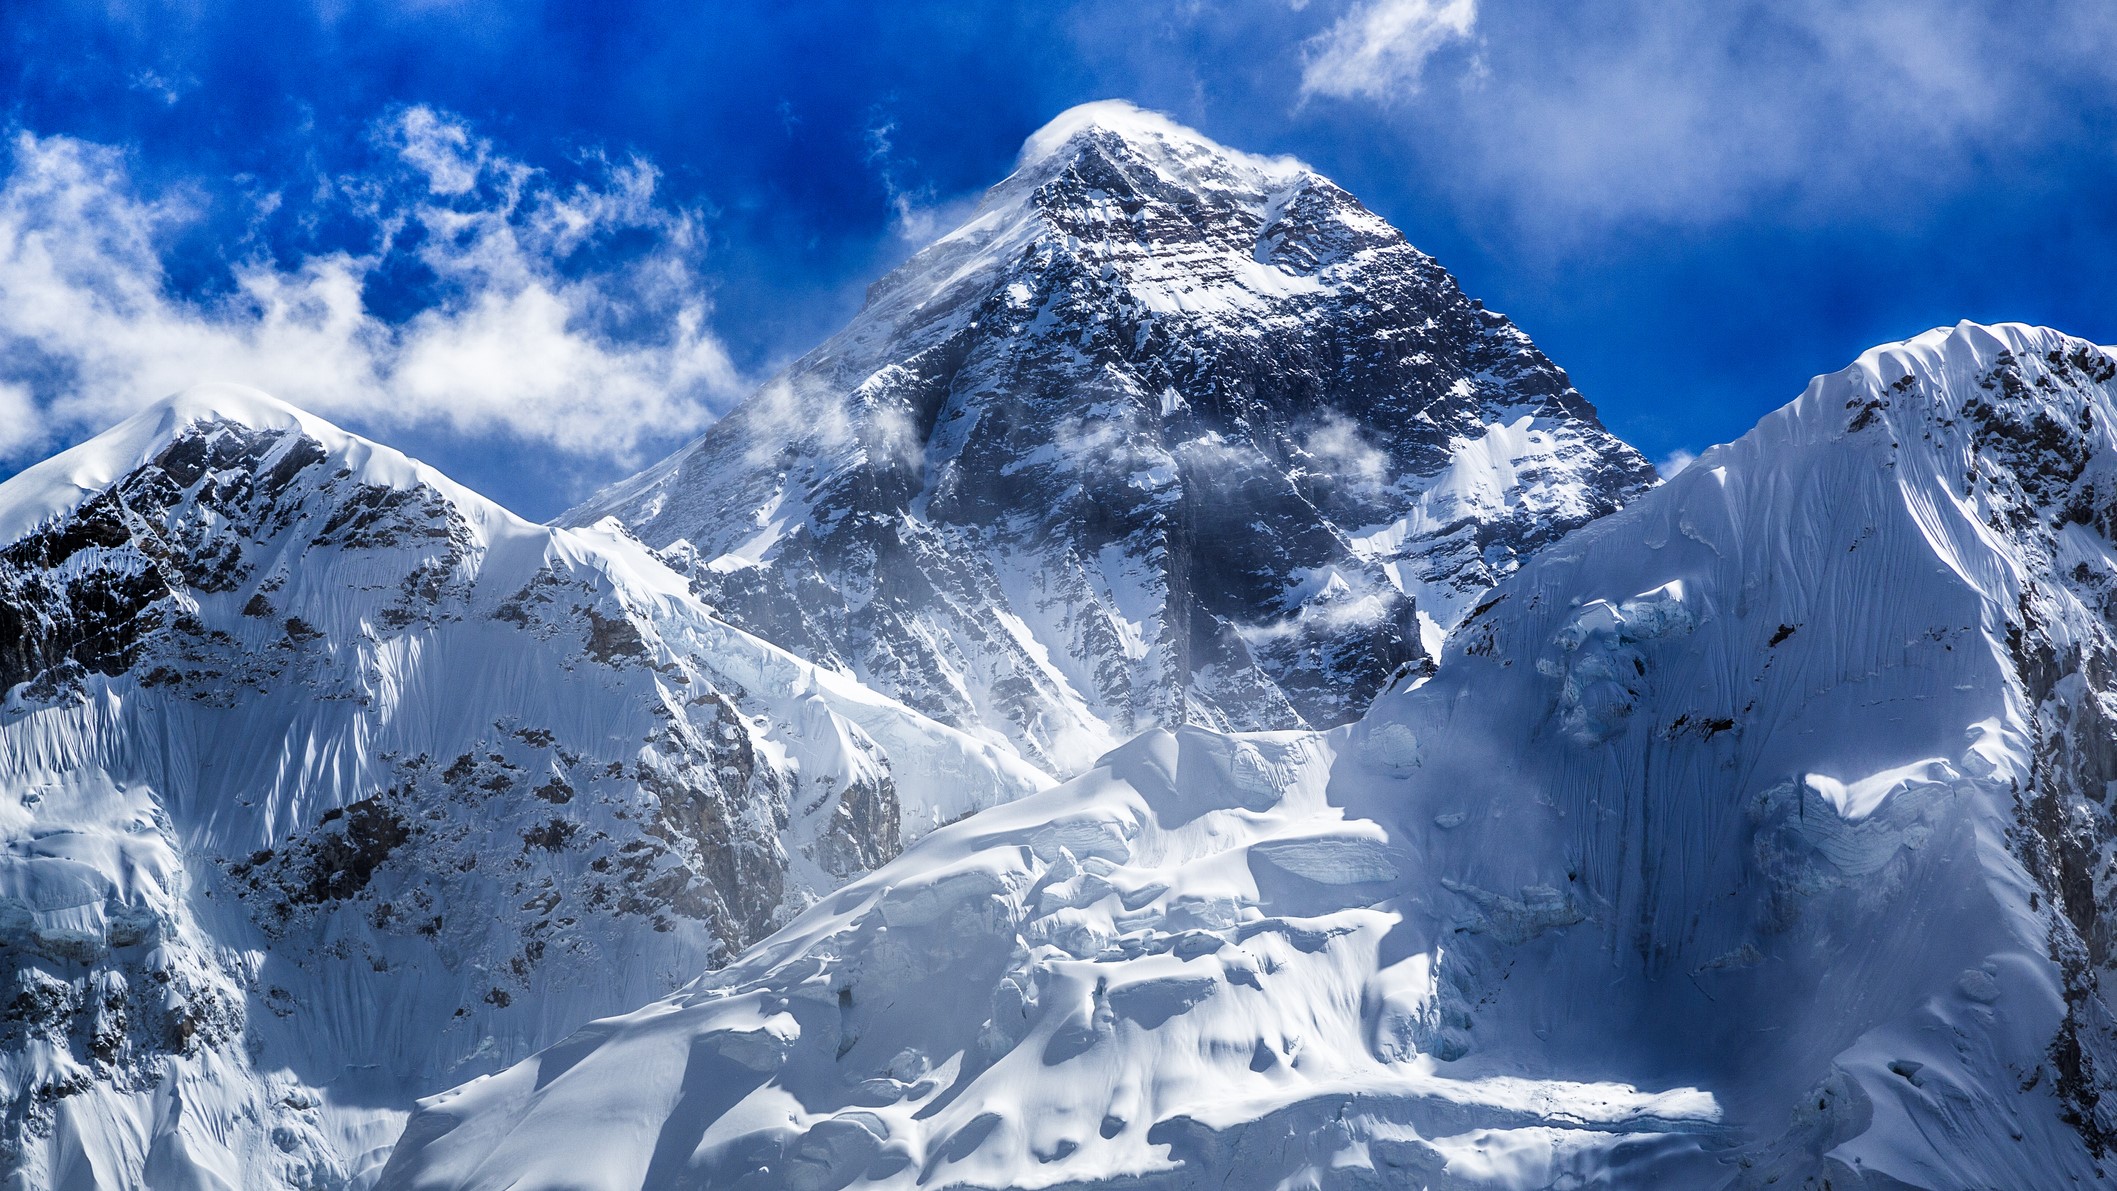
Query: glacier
[[1753, 835]]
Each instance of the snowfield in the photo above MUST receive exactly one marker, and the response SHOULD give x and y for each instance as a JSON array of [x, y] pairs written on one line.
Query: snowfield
[[1751, 836]]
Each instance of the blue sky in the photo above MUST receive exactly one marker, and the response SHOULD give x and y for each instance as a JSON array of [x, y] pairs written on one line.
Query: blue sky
[[370, 209]]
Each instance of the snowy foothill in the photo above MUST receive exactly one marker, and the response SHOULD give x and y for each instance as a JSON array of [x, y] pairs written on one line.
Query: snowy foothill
[[1197, 946]]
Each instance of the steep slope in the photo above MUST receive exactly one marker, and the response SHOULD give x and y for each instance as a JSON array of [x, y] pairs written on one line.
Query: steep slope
[[1201, 964], [1755, 835], [1165, 433], [325, 783]]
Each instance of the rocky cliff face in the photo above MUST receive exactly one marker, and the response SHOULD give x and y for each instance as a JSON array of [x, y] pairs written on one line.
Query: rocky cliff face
[[1165, 433], [329, 783]]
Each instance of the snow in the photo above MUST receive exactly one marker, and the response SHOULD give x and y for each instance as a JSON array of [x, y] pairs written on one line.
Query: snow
[[1509, 469], [1753, 835], [1862, 797], [1013, 431], [1179, 146], [1697, 863], [1107, 976], [525, 711]]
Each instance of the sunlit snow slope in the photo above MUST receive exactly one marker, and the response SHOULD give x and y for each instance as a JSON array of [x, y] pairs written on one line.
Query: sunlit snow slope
[[325, 783], [1752, 836], [1165, 433]]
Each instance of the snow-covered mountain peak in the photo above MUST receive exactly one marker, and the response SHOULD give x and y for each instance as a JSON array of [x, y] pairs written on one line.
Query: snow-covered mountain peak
[[58, 485], [2008, 365], [1965, 348], [1159, 206], [318, 772], [1144, 361], [1114, 128], [2011, 424]]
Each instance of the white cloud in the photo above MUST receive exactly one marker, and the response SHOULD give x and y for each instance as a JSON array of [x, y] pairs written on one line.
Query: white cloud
[[1675, 463], [440, 148], [1342, 451], [1379, 51], [1564, 124], [163, 87], [527, 331], [21, 422]]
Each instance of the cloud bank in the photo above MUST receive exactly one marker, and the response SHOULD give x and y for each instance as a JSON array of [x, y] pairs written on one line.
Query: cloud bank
[[567, 315], [1586, 118]]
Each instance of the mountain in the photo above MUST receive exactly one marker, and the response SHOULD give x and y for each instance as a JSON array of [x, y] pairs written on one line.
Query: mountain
[[1164, 434], [329, 784], [1755, 835]]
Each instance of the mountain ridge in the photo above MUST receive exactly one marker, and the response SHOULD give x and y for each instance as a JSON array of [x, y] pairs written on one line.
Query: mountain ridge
[[325, 768]]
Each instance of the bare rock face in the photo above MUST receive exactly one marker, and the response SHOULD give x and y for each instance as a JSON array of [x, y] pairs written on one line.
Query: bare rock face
[[330, 784], [1166, 433], [2039, 421]]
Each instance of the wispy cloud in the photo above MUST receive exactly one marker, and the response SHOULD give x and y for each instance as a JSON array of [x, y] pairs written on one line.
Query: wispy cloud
[[918, 212], [911, 207], [166, 88], [1576, 120], [1341, 450], [1588, 117], [527, 325], [1379, 50]]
